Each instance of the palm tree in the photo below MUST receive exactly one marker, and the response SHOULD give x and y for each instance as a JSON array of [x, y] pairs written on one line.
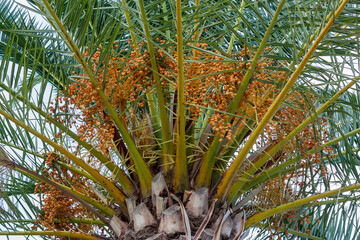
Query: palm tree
[[179, 119]]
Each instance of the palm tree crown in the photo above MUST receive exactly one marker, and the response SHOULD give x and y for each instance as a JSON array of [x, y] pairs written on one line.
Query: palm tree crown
[[179, 119]]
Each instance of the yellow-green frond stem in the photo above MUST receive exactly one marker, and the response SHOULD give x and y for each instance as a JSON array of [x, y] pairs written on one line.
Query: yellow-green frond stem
[[75, 235], [76, 170], [231, 148], [281, 229], [355, 150], [292, 205], [128, 21], [118, 173], [36, 154], [235, 192], [165, 124], [280, 168], [209, 159], [100, 206], [312, 37], [106, 183], [86, 221], [201, 125], [258, 164], [12, 165], [203, 179], [155, 119], [230, 173], [141, 167], [71, 220], [196, 25], [321, 203], [305, 45], [245, 81], [190, 144], [180, 181], [232, 40], [166, 19]]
